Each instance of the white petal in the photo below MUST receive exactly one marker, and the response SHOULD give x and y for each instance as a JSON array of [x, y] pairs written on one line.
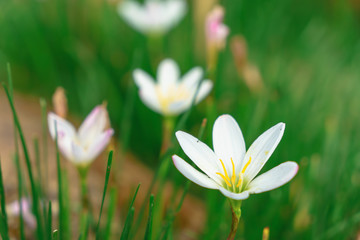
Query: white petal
[[143, 80], [204, 90], [93, 125], [192, 174], [192, 78], [228, 142], [200, 154], [134, 14], [64, 128], [261, 150], [274, 178], [236, 196], [150, 99], [168, 75], [99, 144]]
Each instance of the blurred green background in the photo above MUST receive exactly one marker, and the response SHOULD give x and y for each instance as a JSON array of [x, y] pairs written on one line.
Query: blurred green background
[[308, 53]]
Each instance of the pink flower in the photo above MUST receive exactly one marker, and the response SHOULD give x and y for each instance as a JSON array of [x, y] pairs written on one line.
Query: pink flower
[[216, 30], [83, 146]]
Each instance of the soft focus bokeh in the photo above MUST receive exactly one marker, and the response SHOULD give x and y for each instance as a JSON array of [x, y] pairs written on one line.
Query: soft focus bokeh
[[305, 61]]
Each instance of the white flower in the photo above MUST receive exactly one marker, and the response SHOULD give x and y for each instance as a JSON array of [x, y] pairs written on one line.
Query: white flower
[[171, 95], [83, 146], [154, 17], [13, 209], [216, 31], [229, 168]]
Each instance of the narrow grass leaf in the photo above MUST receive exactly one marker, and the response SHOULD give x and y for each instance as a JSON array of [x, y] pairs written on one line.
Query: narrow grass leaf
[[129, 218], [148, 231], [4, 223], [35, 197], [110, 213], [108, 168]]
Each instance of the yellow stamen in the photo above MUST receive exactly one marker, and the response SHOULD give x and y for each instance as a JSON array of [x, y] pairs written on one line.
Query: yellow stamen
[[223, 177], [266, 152], [233, 177], [240, 180], [226, 174], [246, 165]]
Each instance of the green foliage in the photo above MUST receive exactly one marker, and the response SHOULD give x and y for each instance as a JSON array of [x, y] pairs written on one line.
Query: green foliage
[[307, 53]]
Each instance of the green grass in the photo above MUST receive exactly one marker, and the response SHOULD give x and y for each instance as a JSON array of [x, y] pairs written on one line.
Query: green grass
[[307, 53]]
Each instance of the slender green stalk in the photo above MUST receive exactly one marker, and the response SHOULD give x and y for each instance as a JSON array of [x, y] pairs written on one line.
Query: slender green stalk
[[234, 225], [60, 197], [110, 213], [38, 165], [20, 194], [44, 145], [35, 197], [4, 223], [129, 218], [104, 192], [148, 230], [83, 173], [49, 221]]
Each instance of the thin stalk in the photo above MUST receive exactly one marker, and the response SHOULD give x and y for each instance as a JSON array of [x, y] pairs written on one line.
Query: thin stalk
[[60, 197], [35, 197], [234, 225], [108, 168], [49, 221], [44, 145], [83, 172], [4, 223], [20, 194], [129, 218], [110, 213], [148, 230]]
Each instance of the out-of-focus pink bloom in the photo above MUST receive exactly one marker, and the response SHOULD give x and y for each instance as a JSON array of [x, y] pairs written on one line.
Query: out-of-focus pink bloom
[[13, 209], [83, 146], [216, 30]]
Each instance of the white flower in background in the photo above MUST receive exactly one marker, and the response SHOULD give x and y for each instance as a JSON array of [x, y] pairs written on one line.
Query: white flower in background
[[154, 16], [171, 95], [83, 146], [216, 31], [229, 168]]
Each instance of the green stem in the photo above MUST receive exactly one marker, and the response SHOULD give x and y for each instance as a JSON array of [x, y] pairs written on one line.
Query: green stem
[[168, 128], [234, 225], [83, 172], [236, 214]]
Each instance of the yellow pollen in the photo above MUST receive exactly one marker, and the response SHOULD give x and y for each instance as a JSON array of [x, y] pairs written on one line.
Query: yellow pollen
[[246, 165], [233, 177], [225, 179], [240, 180], [266, 152]]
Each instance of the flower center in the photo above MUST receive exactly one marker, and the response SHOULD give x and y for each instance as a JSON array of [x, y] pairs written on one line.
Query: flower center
[[173, 94], [230, 181]]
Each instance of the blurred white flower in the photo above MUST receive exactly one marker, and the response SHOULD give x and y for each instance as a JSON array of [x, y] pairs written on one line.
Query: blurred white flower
[[229, 168], [216, 32], [83, 146], [13, 209], [171, 95], [154, 16]]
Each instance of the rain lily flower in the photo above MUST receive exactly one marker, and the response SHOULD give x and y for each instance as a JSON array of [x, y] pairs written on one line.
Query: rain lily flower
[[216, 31], [13, 209], [154, 16], [83, 146], [171, 95], [230, 168]]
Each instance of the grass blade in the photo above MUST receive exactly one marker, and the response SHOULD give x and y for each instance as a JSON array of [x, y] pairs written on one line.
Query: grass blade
[[4, 223], [44, 144], [111, 213], [49, 221], [129, 218], [35, 197], [148, 230], [20, 194], [105, 188]]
